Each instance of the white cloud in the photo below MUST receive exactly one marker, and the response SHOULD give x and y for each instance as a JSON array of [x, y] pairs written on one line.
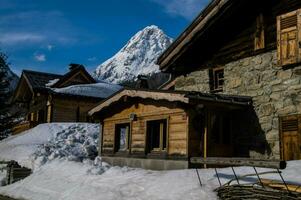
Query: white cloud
[[184, 8], [91, 59], [50, 47], [40, 57], [17, 38]]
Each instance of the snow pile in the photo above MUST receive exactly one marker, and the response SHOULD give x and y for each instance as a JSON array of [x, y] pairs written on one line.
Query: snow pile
[[74, 143], [100, 90], [38, 145], [138, 56]]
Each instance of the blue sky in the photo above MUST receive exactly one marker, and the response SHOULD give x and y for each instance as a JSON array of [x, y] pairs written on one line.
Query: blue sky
[[47, 35]]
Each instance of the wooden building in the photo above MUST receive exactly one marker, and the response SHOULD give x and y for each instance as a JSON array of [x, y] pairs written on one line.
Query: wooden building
[[250, 48], [49, 97], [157, 129]]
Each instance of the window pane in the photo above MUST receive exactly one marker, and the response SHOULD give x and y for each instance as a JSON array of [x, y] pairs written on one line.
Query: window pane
[[122, 140], [154, 137], [122, 137]]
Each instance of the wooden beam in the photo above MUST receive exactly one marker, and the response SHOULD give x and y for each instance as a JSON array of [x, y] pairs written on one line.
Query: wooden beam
[[274, 164]]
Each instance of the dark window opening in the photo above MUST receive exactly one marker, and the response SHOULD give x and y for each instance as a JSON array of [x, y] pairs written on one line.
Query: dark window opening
[[122, 137], [216, 77], [77, 114], [41, 116], [156, 135], [221, 129]]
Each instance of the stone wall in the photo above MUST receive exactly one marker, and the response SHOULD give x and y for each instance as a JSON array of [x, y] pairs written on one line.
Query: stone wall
[[275, 91]]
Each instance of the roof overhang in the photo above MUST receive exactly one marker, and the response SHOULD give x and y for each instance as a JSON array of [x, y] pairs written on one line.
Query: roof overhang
[[185, 97], [143, 94], [181, 43]]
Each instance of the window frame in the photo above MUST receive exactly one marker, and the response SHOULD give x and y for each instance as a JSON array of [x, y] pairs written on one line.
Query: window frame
[[214, 80], [157, 150], [128, 137]]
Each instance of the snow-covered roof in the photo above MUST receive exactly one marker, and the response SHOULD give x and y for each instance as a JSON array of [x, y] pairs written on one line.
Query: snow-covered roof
[[98, 90], [52, 82]]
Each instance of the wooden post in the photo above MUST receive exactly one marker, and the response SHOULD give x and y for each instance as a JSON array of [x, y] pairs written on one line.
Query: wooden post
[[205, 138]]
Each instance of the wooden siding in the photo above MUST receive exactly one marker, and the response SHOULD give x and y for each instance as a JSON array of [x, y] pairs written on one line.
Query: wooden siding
[[65, 110], [177, 128]]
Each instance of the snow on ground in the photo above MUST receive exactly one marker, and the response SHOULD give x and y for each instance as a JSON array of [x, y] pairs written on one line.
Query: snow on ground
[[48, 141], [56, 147], [68, 180]]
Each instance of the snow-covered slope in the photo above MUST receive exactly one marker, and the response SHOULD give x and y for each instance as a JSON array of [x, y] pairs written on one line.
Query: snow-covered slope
[[138, 56]]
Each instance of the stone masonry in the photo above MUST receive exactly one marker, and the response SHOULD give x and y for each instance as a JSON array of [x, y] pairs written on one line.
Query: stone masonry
[[275, 91]]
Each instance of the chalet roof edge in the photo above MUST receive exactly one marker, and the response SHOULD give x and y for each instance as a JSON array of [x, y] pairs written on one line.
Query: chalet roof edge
[[39, 72], [164, 59], [172, 96], [141, 93]]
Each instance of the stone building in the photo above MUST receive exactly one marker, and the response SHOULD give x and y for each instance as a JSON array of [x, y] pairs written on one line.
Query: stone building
[[249, 48]]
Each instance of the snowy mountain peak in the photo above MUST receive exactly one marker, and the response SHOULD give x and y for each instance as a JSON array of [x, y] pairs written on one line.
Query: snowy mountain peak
[[138, 56]]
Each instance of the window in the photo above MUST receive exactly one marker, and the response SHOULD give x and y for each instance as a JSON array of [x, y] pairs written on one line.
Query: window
[[122, 137], [288, 41], [216, 76], [259, 42], [156, 136]]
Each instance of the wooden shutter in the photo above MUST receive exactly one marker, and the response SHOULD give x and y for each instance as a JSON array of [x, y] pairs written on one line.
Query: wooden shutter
[[259, 42], [288, 38], [290, 138]]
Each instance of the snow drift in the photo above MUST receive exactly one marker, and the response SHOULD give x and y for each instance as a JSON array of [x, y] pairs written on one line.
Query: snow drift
[[45, 142]]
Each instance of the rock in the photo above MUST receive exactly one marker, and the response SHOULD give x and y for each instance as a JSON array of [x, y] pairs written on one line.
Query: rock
[[284, 75]]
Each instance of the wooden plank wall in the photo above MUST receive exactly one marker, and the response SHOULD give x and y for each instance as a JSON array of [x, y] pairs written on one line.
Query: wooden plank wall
[[177, 128], [65, 110]]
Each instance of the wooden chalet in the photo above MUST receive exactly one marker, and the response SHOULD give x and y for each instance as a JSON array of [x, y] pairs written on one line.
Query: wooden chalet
[[38, 92], [158, 129], [250, 48]]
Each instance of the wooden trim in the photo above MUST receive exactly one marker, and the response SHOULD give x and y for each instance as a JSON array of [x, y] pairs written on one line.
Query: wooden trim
[[154, 115], [155, 95]]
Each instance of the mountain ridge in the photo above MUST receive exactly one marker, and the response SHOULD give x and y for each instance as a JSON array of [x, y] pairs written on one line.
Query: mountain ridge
[[137, 57]]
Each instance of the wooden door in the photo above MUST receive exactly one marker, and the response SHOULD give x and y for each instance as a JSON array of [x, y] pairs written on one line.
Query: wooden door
[[290, 137], [220, 134]]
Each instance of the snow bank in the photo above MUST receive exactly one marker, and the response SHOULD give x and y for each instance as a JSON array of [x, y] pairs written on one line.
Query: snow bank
[[61, 179], [48, 141], [64, 180], [100, 90]]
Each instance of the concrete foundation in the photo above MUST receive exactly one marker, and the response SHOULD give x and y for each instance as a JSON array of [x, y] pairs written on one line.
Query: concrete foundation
[[153, 164]]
